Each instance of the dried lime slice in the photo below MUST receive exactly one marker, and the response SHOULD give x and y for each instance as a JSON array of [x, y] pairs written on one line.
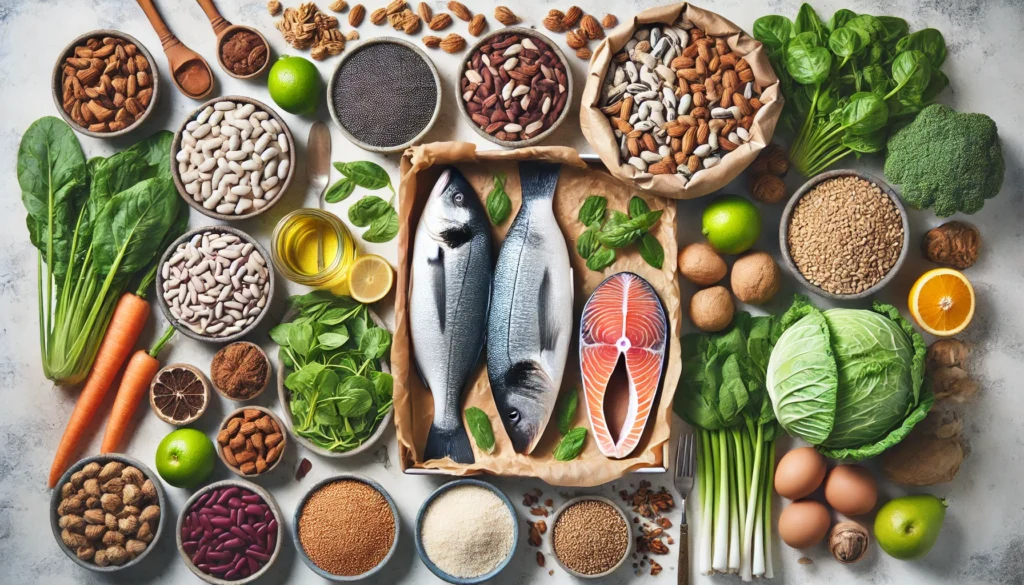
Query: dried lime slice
[[179, 394]]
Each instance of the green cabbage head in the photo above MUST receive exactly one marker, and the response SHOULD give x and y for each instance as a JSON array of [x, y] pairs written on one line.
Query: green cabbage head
[[848, 380]]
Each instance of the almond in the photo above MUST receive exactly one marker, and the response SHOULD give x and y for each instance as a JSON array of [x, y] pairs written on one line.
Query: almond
[[505, 16], [453, 43], [593, 28], [741, 102], [355, 16], [379, 16], [459, 9], [575, 40], [395, 6], [747, 75], [432, 41], [572, 16], [584, 53], [649, 143], [689, 141], [477, 24], [554, 21], [693, 163], [703, 132], [425, 12], [661, 168], [440, 21], [634, 146], [609, 21], [411, 23]]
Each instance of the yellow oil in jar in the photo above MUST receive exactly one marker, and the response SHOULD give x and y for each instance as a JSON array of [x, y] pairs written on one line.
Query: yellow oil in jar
[[314, 248]]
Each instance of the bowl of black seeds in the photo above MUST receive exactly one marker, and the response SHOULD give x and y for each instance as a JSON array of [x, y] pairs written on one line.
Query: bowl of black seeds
[[384, 95]]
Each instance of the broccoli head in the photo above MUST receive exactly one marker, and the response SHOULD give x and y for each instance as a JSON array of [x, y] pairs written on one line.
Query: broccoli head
[[946, 160]]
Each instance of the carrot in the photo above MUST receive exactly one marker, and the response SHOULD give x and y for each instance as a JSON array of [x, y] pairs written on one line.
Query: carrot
[[126, 325], [134, 383]]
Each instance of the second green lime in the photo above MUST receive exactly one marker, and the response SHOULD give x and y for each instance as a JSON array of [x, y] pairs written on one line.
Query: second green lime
[[731, 224], [185, 458], [295, 86]]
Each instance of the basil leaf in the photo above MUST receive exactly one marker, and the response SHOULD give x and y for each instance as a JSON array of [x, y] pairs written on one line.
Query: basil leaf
[[479, 425], [621, 233], [568, 402], [499, 206], [592, 210], [384, 228], [601, 258], [571, 444], [374, 343], [366, 174], [587, 244], [638, 207], [367, 209], [340, 190], [651, 250]]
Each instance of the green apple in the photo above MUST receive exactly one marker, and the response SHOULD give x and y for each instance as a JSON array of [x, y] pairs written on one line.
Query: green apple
[[185, 458], [907, 528]]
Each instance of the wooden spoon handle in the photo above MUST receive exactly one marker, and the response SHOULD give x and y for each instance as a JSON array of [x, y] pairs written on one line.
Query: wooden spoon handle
[[167, 38], [216, 20], [683, 567]]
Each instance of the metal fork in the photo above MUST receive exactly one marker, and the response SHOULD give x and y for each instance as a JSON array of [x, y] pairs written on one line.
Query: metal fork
[[683, 481]]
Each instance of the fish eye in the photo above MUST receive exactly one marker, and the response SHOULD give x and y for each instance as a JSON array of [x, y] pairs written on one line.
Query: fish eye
[[513, 415], [458, 198]]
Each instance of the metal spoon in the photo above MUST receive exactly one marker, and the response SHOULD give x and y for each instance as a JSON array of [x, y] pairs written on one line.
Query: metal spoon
[[224, 29], [318, 169], [178, 55]]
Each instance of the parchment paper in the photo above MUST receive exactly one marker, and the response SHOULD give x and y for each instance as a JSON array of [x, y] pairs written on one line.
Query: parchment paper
[[599, 133], [420, 168]]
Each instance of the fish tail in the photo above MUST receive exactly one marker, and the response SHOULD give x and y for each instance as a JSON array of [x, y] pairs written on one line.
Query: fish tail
[[538, 180], [452, 443]]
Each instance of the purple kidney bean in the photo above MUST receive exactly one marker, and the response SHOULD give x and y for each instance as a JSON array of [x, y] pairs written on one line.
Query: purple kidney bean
[[230, 533]]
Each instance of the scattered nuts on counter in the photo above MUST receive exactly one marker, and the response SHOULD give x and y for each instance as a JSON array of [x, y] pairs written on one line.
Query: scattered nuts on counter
[[355, 16], [768, 188], [514, 87], [440, 21], [251, 442], [954, 244], [338, 5], [505, 16], [274, 7], [772, 159], [307, 27], [848, 542], [453, 43], [609, 21], [107, 84], [572, 16], [477, 25], [459, 9], [712, 309], [233, 158], [766, 174]]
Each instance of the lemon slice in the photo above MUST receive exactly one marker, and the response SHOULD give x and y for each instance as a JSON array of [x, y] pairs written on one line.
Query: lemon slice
[[370, 279], [942, 302]]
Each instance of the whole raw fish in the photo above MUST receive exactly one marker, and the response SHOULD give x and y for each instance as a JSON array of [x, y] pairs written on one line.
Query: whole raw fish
[[530, 324], [450, 292]]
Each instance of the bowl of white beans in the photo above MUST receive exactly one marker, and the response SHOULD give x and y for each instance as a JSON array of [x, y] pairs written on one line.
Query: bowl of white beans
[[215, 284], [233, 158]]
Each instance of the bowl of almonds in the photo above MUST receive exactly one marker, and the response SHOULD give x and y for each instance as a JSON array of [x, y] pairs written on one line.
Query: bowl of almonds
[[105, 83], [251, 441], [106, 512]]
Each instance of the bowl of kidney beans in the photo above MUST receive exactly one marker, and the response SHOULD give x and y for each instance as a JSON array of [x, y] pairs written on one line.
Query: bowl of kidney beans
[[230, 532]]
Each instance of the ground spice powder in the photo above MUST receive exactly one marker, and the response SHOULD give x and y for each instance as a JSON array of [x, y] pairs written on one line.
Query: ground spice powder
[[590, 537], [346, 528], [194, 77], [467, 531], [240, 370], [243, 52]]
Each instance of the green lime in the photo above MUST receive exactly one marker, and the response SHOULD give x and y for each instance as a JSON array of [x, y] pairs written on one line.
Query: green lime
[[185, 458], [908, 527], [294, 85], [731, 224]]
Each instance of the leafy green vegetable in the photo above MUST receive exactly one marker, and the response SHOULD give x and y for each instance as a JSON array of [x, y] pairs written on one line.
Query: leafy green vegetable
[[565, 410], [383, 228], [340, 190], [371, 211], [588, 244], [638, 207], [947, 161], [598, 243], [499, 205], [592, 210], [601, 258], [366, 174], [651, 250], [847, 84], [98, 225], [332, 350], [571, 444], [479, 425], [848, 380]]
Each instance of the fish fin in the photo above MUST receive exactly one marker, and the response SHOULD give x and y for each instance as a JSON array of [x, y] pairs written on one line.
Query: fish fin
[[538, 180], [437, 282], [548, 333], [453, 443]]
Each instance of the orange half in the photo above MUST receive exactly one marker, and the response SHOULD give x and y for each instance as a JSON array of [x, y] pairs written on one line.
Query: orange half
[[942, 302]]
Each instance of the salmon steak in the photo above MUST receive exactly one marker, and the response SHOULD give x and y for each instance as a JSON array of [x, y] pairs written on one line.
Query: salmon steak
[[623, 338]]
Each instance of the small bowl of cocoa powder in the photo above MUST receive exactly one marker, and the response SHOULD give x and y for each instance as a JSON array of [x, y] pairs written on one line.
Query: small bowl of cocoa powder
[[243, 52], [240, 371]]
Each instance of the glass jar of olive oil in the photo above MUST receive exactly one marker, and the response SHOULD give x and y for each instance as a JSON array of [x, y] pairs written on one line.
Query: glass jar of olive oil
[[314, 248]]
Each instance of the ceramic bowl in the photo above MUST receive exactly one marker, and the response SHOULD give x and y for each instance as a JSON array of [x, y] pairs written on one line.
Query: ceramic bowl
[[55, 500], [437, 570], [271, 502], [284, 395], [298, 514], [58, 76], [629, 530], [223, 38], [266, 380], [176, 146], [806, 188], [165, 308], [334, 111], [284, 441], [529, 32]]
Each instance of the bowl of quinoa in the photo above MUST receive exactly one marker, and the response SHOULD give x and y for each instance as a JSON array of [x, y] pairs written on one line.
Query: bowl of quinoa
[[590, 537]]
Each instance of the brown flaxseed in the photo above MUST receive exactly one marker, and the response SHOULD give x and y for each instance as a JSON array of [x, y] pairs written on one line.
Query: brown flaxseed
[[346, 528], [590, 537]]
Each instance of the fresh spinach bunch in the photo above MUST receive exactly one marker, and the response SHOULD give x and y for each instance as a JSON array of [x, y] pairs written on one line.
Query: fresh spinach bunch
[[332, 351], [848, 81], [100, 226], [598, 243], [371, 211]]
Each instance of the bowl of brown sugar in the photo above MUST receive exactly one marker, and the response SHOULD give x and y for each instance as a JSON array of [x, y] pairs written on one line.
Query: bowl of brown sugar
[[240, 371]]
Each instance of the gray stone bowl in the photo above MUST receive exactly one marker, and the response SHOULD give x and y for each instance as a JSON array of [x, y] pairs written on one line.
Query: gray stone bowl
[[806, 188], [298, 515], [334, 110], [57, 88], [528, 32], [284, 395], [166, 310], [239, 412], [271, 502], [629, 534], [55, 499]]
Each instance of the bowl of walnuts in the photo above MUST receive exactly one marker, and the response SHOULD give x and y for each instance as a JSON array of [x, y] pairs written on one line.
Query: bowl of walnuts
[[106, 512]]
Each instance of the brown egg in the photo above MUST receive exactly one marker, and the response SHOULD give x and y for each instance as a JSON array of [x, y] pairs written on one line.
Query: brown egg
[[799, 473], [851, 490], [804, 523]]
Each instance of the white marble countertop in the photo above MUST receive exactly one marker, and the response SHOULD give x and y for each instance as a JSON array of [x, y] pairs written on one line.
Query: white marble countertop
[[981, 542]]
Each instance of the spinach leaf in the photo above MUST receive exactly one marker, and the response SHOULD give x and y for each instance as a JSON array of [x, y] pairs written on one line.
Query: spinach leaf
[[479, 425], [773, 31], [383, 385], [587, 244], [895, 29], [651, 251], [845, 42], [866, 143], [601, 258], [865, 113], [499, 206], [130, 227], [912, 72], [571, 444], [332, 339], [840, 18], [366, 174], [374, 343], [929, 41], [156, 151], [280, 333], [638, 207], [340, 190], [367, 209], [354, 396], [807, 64], [592, 210], [565, 410], [869, 24], [300, 338]]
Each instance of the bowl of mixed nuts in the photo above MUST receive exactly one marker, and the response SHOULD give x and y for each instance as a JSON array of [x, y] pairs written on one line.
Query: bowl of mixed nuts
[[105, 83], [516, 87], [251, 441], [107, 512]]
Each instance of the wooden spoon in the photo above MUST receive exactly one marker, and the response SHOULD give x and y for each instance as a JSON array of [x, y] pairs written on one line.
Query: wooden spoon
[[225, 30], [179, 57]]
